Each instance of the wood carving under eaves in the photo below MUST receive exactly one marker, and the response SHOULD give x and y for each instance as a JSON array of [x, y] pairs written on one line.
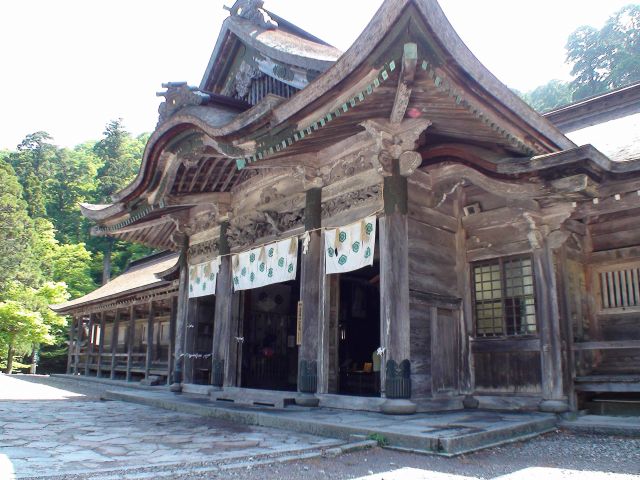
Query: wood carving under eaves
[[208, 249], [252, 10], [177, 96], [351, 200], [245, 75], [349, 166], [396, 142], [245, 231]]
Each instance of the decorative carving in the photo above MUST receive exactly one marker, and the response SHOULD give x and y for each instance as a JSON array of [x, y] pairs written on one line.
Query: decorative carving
[[207, 249], [308, 376], [252, 10], [247, 230], [351, 200], [177, 96], [269, 194], [396, 142], [244, 76], [398, 379]]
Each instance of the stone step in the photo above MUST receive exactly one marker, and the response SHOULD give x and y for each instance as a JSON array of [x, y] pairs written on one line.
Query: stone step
[[445, 433], [254, 397]]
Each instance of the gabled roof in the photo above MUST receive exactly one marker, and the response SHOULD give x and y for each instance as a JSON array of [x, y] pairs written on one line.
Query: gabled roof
[[139, 277], [453, 90]]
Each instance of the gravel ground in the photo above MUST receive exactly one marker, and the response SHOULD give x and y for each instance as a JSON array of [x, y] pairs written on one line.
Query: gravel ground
[[557, 450]]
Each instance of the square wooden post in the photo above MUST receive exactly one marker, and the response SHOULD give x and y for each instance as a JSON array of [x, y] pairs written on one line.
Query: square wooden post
[[224, 345], [149, 353], [114, 344], [90, 338], [182, 312], [71, 344], [548, 313], [395, 323], [173, 307], [76, 360], [130, 337], [101, 344], [312, 278]]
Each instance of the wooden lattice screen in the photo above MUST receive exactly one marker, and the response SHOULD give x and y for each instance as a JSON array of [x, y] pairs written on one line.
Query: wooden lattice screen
[[620, 288]]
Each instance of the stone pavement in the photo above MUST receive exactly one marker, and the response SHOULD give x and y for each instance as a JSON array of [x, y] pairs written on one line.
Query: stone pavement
[[48, 432], [444, 433]]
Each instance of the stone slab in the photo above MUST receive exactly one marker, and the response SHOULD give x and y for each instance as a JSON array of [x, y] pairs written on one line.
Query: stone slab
[[445, 433], [602, 424]]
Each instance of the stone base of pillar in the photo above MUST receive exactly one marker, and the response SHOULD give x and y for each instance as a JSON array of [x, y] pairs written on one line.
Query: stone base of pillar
[[175, 388], [554, 406], [307, 400], [470, 402], [397, 406]]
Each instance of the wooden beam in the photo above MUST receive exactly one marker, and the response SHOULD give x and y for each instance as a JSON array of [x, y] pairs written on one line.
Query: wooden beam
[[72, 327], [192, 199], [607, 345], [407, 74]]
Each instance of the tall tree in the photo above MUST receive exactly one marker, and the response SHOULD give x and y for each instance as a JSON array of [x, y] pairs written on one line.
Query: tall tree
[[33, 162], [607, 58], [16, 230], [121, 162]]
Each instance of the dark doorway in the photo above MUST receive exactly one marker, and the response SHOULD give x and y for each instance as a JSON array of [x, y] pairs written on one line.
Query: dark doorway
[[202, 339], [269, 350], [359, 332]]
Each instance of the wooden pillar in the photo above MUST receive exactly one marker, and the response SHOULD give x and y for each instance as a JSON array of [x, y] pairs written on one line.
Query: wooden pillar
[[224, 348], [310, 295], [91, 340], [182, 312], [101, 344], [394, 294], [554, 398], [130, 337], [71, 344], [149, 353], [190, 340], [114, 344], [172, 337], [76, 361]]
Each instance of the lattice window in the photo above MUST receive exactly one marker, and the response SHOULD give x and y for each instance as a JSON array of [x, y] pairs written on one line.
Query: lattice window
[[504, 297], [620, 288]]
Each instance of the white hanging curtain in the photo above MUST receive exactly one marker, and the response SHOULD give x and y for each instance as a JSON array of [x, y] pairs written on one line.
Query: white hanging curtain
[[202, 278], [273, 263], [351, 247]]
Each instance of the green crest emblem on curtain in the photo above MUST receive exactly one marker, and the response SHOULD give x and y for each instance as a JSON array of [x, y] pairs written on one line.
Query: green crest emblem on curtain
[[330, 251], [281, 262], [270, 273], [244, 271], [252, 257], [342, 237], [368, 228], [367, 252], [252, 277], [290, 269], [342, 260], [262, 267], [271, 252], [355, 247]]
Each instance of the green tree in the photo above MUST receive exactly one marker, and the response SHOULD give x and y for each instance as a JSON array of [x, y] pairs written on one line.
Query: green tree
[[16, 230], [33, 162], [550, 96], [121, 156], [607, 58]]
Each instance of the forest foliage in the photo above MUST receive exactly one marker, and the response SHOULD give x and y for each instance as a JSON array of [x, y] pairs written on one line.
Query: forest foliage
[[601, 59], [47, 254]]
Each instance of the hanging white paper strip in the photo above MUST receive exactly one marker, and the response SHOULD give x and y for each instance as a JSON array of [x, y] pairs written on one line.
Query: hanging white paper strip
[[351, 247], [202, 278], [273, 263]]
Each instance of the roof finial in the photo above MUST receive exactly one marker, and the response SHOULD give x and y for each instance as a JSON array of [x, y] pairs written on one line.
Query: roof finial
[[252, 10]]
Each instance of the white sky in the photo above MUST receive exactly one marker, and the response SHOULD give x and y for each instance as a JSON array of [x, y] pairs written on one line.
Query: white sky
[[70, 66]]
